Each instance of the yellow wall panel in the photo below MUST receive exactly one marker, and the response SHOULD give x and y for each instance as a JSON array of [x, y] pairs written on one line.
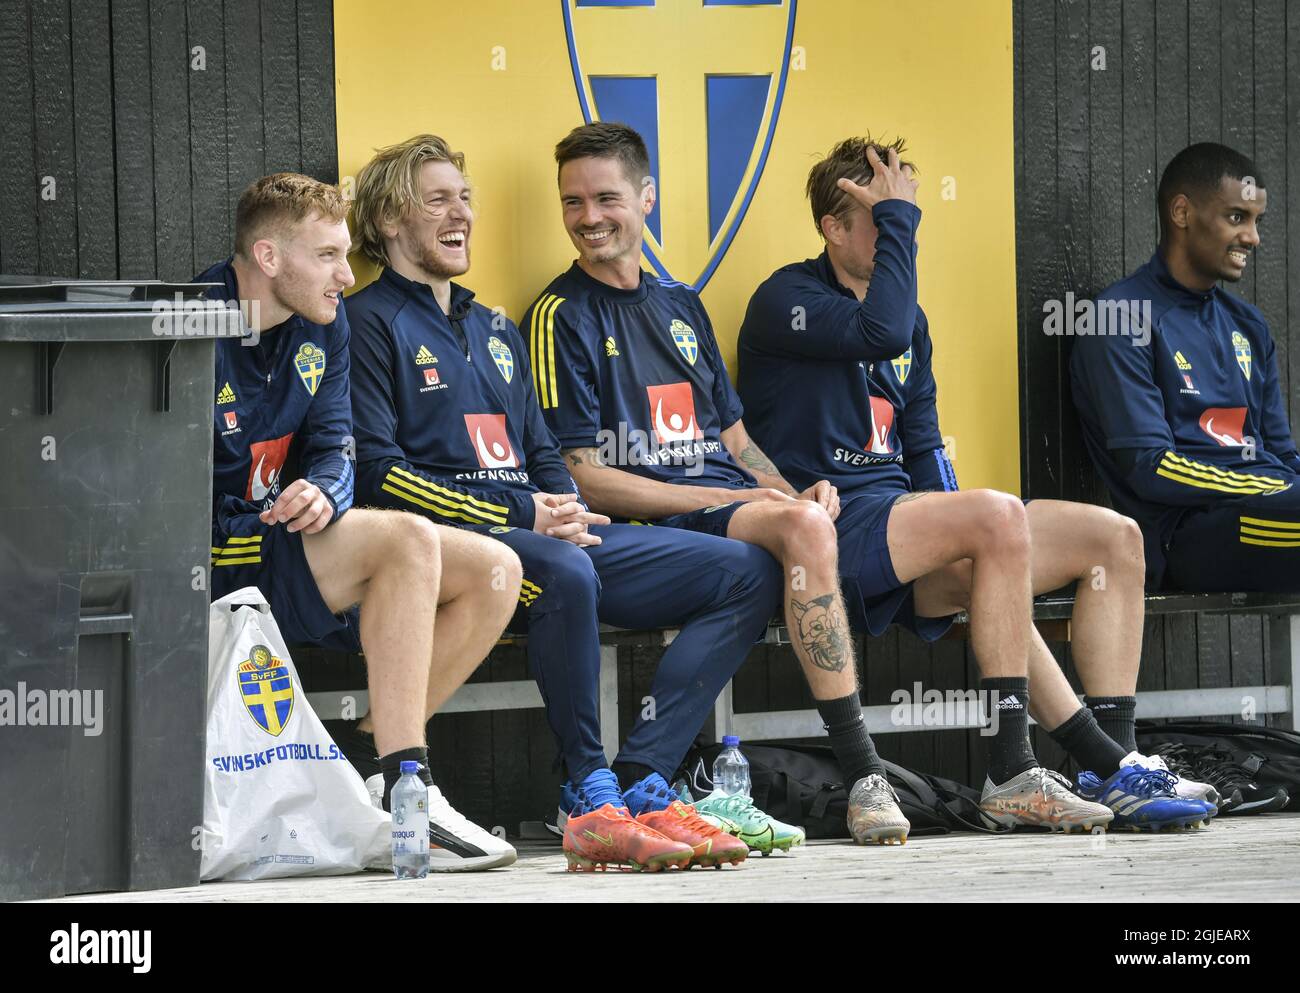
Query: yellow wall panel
[[494, 77]]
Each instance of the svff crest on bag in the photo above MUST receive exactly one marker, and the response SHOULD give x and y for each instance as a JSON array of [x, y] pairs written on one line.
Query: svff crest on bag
[[279, 798]]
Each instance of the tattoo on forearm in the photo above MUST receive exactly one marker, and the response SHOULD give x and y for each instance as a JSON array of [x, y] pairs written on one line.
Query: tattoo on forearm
[[756, 461], [823, 631], [580, 455]]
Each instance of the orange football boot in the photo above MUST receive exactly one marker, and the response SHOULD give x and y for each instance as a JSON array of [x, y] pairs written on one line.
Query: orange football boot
[[710, 846], [610, 836]]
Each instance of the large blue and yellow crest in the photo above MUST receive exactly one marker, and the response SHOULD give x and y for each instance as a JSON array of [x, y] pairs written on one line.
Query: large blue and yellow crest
[[1241, 348], [702, 82], [902, 366], [502, 356], [266, 689], [684, 338], [310, 363]]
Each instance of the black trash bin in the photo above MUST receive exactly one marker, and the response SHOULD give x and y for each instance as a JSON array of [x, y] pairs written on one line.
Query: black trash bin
[[106, 393]]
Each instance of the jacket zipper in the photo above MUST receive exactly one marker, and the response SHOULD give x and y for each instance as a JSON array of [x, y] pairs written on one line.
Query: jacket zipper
[[464, 339]]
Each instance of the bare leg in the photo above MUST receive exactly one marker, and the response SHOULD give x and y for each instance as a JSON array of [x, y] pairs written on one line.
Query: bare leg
[[391, 563], [480, 591], [973, 548], [1068, 542], [978, 539], [478, 596], [1103, 552], [801, 536]]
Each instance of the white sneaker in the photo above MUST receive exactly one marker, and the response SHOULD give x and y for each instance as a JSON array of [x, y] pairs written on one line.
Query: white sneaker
[[1187, 789], [455, 844]]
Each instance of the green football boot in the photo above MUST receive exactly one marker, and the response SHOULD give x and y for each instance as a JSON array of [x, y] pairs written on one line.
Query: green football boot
[[737, 815]]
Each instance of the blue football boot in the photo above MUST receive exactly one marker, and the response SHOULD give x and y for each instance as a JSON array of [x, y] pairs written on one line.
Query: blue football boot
[[597, 789], [1143, 798]]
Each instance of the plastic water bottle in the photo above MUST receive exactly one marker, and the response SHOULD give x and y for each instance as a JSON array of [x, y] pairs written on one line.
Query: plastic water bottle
[[410, 803], [731, 768]]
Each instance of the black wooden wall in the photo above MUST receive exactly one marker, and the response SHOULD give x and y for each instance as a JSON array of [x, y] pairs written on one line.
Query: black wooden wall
[[148, 153], [128, 128]]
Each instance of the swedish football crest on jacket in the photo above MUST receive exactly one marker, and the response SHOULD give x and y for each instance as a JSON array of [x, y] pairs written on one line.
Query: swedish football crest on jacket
[[502, 356], [684, 339], [1241, 348], [902, 366], [310, 363]]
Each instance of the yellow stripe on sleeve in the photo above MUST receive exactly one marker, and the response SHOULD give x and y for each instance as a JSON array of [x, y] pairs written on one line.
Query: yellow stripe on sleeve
[[542, 379], [534, 330], [1241, 489], [1180, 463], [451, 515], [443, 502], [550, 351], [474, 502]]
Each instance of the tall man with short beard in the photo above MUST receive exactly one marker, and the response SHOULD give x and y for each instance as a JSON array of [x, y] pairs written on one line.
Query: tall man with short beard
[[448, 426], [310, 553], [830, 402]]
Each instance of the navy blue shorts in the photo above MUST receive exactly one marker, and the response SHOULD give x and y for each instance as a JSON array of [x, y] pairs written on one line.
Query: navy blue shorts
[[246, 552], [709, 520], [873, 595], [1252, 545]]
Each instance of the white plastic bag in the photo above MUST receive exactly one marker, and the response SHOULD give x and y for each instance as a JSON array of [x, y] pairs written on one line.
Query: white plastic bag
[[279, 797]]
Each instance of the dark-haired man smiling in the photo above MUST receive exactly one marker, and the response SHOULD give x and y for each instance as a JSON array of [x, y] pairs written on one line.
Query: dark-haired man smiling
[[1191, 433]]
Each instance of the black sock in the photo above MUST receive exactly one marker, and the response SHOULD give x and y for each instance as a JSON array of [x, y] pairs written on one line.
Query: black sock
[[1115, 714], [1009, 753], [357, 746], [850, 742], [629, 773], [1088, 744], [391, 765]]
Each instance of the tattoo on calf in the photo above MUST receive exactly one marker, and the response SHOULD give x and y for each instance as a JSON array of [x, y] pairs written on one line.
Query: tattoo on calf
[[823, 631]]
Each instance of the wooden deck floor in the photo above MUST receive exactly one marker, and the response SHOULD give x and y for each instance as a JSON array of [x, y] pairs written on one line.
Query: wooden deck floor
[[1247, 858]]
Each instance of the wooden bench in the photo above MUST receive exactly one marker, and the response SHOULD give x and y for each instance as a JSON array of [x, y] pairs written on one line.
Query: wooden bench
[[1051, 614]]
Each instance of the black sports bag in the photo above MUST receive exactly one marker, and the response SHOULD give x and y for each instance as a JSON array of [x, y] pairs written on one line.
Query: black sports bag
[[801, 785], [1271, 756]]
